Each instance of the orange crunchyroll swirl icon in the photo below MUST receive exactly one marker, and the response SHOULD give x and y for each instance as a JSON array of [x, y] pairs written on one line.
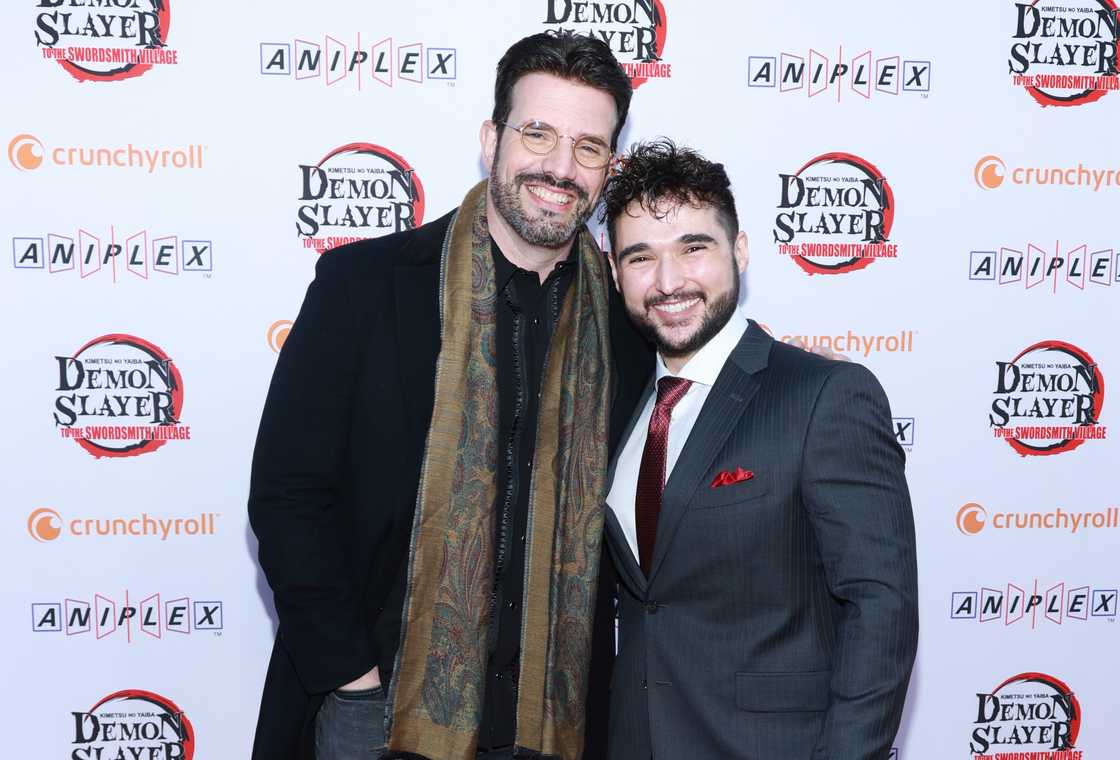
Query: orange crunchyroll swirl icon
[[26, 152], [990, 172], [44, 524], [971, 519], [278, 333]]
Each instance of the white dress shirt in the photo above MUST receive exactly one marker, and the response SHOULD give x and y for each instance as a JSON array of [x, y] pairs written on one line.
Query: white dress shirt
[[702, 369]]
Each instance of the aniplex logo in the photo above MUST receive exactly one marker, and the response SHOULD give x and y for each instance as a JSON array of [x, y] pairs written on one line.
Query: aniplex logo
[[813, 73], [1028, 713], [1064, 52], [386, 61], [105, 41], [152, 616], [132, 724], [357, 191], [119, 396], [142, 254], [636, 31], [1030, 266], [835, 215], [1057, 604], [1048, 399], [905, 429]]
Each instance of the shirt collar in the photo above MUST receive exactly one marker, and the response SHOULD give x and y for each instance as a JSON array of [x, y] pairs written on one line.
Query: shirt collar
[[504, 269], [706, 364]]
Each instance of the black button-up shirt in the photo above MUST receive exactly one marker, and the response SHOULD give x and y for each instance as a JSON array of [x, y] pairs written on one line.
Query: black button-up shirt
[[527, 311]]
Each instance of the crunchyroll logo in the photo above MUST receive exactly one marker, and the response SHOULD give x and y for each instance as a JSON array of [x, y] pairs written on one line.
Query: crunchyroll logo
[[971, 519], [990, 172], [26, 152], [278, 333], [44, 524]]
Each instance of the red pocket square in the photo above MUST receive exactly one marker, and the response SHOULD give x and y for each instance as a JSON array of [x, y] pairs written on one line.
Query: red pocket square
[[728, 477]]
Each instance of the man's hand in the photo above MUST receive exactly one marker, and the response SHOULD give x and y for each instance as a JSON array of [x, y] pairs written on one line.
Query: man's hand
[[818, 350], [370, 680]]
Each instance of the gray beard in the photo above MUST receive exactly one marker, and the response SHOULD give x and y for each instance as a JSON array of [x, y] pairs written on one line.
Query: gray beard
[[543, 231]]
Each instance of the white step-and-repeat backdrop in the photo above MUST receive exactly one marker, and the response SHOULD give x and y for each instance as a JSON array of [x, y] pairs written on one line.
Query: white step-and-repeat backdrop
[[929, 189]]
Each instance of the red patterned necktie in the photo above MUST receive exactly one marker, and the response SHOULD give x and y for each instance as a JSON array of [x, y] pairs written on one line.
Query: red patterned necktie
[[651, 473]]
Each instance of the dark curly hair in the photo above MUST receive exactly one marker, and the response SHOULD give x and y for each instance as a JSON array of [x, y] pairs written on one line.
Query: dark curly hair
[[575, 57], [661, 176]]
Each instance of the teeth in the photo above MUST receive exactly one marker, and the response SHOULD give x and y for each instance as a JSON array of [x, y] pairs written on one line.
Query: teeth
[[548, 195], [679, 306]]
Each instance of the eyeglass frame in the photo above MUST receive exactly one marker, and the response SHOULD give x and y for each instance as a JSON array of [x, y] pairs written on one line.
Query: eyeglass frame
[[611, 158]]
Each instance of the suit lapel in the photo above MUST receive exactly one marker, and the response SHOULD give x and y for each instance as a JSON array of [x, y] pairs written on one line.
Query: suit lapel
[[729, 397], [624, 555]]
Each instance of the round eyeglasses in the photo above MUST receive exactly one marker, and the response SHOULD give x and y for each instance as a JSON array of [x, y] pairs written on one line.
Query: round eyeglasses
[[540, 138]]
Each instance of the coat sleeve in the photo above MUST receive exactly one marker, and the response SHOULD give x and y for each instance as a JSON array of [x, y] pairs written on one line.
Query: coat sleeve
[[294, 488], [854, 487]]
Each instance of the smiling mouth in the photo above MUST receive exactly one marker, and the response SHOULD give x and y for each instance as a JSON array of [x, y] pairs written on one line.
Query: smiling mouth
[[678, 306], [549, 196]]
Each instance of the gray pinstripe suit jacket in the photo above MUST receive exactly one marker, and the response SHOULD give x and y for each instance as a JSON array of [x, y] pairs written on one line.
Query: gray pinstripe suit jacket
[[780, 619]]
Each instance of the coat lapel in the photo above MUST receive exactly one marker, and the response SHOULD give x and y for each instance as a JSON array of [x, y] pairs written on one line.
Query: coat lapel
[[624, 556], [733, 391], [418, 342]]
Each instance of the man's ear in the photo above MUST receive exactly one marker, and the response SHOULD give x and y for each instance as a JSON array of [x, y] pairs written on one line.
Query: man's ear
[[488, 139], [742, 253], [614, 271]]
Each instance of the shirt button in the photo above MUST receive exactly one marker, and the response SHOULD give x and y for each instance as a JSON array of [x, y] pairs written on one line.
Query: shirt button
[[512, 605]]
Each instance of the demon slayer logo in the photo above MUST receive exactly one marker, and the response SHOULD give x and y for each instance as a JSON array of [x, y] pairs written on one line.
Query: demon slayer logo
[[133, 724], [1027, 712], [105, 40], [634, 30], [1048, 399], [355, 192], [119, 396], [1065, 53], [835, 215]]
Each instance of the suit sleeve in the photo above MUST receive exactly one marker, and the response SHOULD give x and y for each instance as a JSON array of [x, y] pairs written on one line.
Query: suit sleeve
[[854, 487], [293, 491]]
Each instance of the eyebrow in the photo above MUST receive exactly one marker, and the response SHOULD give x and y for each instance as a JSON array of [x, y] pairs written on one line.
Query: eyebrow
[[632, 249], [685, 239], [696, 237]]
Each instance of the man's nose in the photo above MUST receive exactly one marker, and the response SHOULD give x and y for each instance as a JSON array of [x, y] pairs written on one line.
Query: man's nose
[[561, 161], [670, 277]]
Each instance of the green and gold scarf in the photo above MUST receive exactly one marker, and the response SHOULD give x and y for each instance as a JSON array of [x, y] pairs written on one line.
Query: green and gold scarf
[[435, 701]]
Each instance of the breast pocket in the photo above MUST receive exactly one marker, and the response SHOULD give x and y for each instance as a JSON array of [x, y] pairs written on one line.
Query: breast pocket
[[743, 491]]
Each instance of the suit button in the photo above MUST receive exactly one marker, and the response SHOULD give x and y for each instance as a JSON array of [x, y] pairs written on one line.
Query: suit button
[[651, 608], [643, 683]]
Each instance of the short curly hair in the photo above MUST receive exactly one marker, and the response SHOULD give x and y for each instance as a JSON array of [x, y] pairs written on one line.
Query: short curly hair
[[662, 176]]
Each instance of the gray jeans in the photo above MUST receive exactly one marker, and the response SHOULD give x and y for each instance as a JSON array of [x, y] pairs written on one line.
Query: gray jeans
[[351, 725]]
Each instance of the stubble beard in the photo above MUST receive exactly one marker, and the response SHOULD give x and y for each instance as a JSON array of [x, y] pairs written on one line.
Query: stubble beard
[[715, 316], [549, 230]]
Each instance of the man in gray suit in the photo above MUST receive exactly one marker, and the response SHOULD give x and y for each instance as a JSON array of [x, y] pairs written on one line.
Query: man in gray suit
[[758, 513]]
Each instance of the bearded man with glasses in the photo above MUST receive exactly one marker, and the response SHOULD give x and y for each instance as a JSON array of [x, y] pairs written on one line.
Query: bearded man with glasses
[[436, 592]]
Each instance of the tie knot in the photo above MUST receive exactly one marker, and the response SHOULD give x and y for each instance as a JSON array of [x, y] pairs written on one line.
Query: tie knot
[[670, 390]]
